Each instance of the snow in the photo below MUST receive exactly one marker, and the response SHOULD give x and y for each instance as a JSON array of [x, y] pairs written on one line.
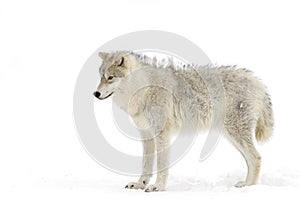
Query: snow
[[188, 189]]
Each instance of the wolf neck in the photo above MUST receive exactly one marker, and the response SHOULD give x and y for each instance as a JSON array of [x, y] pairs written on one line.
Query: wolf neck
[[129, 86], [138, 61], [142, 74]]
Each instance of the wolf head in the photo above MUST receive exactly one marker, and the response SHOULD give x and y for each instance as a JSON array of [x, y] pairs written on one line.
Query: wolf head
[[115, 67]]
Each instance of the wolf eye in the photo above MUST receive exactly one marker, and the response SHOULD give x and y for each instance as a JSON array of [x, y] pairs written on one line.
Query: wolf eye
[[110, 77], [122, 61]]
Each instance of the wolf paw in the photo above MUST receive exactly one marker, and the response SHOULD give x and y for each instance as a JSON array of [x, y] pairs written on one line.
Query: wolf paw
[[240, 184], [154, 188], [135, 185]]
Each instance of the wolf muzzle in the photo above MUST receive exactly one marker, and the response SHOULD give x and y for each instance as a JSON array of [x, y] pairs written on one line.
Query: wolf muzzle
[[97, 94]]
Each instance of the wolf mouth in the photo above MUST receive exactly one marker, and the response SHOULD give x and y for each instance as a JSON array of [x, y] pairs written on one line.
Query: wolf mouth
[[106, 96]]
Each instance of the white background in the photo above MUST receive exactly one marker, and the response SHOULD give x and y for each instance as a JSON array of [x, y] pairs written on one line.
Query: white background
[[43, 45]]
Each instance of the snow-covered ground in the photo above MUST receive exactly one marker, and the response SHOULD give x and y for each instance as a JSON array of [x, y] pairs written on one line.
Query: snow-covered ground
[[43, 45]]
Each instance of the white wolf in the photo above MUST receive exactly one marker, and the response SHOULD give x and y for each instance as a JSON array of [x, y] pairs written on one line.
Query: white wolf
[[247, 107]]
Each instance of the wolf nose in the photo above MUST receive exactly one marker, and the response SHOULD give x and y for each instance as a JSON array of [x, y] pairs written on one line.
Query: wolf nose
[[97, 94]]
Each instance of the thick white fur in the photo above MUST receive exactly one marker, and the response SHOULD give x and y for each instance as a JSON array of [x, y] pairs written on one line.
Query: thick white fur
[[180, 94]]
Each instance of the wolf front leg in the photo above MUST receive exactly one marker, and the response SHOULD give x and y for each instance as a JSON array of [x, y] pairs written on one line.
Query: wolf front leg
[[162, 142], [147, 163]]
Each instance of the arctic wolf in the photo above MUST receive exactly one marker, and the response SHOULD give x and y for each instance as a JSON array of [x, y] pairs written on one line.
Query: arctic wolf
[[184, 93]]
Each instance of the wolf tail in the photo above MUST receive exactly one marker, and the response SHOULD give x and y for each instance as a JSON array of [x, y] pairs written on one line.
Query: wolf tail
[[265, 122]]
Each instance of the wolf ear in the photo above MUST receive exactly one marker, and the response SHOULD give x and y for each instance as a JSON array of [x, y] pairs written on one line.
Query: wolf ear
[[103, 55]]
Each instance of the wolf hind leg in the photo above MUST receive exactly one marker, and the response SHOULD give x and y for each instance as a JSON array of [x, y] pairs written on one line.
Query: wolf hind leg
[[244, 144], [253, 160]]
